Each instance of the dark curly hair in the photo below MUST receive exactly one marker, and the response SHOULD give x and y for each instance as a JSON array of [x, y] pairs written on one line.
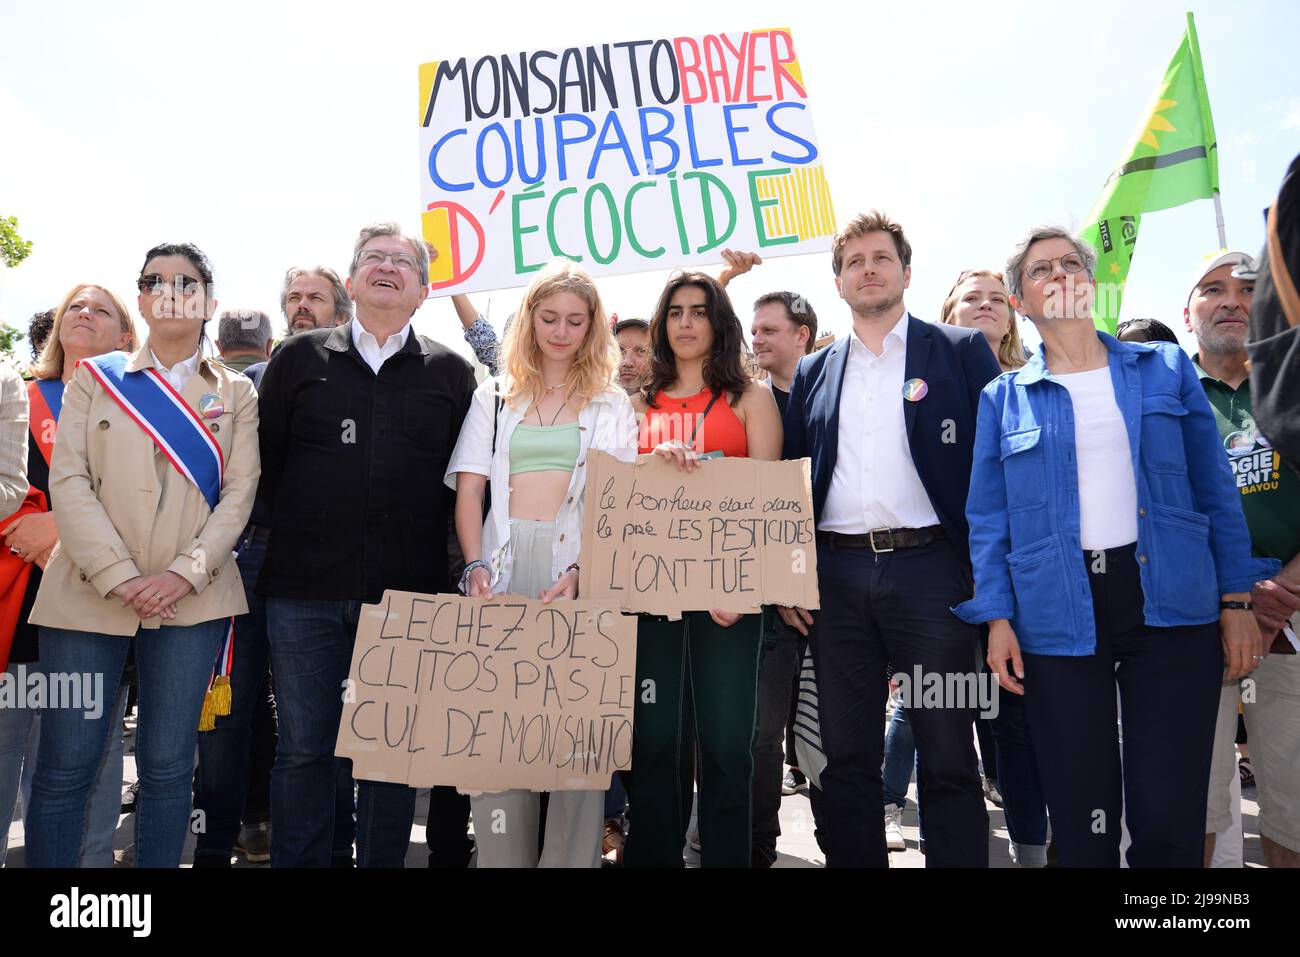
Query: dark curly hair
[[723, 367], [38, 330]]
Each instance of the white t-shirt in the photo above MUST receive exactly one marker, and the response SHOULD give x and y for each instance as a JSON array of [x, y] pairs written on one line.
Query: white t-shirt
[[1107, 486]]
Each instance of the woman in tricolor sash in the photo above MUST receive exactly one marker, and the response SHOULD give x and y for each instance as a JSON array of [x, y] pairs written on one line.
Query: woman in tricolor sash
[[90, 321], [152, 479]]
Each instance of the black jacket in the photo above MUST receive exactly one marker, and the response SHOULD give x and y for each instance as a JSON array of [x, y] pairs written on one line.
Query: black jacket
[[955, 364], [353, 464], [1274, 344]]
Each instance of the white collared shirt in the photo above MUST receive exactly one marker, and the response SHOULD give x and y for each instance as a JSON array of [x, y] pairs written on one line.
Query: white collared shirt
[[179, 375], [875, 483], [370, 349]]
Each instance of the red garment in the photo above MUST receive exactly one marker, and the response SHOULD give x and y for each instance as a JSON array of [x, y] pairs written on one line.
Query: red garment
[[683, 420], [14, 573]]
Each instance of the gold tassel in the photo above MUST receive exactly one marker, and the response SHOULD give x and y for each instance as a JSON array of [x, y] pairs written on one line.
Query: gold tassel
[[208, 716], [221, 695]]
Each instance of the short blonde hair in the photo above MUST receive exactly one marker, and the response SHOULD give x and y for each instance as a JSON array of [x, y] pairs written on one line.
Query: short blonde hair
[[597, 358], [50, 364], [1011, 351]]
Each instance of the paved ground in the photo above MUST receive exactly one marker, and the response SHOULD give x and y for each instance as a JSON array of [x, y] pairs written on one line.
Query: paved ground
[[796, 845]]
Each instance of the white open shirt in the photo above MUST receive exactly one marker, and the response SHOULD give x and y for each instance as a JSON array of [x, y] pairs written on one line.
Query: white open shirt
[[607, 423]]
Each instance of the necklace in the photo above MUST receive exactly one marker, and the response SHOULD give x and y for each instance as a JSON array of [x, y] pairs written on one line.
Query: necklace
[[557, 411], [551, 388]]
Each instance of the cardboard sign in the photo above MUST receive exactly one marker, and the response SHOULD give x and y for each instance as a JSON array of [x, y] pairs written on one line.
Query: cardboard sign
[[645, 154], [488, 695], [734, 535]]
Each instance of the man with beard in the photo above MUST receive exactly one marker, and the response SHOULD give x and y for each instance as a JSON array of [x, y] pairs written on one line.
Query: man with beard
[[1218, 313], [314, 299], [887, 416]]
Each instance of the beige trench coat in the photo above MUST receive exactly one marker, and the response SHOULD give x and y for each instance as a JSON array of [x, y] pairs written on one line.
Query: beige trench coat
[[124, 510]]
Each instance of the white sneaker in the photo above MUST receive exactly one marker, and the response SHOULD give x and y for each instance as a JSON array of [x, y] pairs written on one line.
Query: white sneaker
[[894, 828]]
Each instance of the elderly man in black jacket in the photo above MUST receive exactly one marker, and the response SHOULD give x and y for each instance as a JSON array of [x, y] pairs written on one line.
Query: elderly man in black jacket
[[357, 426]]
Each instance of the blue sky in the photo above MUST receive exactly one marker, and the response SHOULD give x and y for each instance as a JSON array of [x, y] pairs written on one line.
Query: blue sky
[[269, 133]]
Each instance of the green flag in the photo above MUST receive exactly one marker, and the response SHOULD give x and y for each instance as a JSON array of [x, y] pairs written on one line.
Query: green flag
[[1173, 159]]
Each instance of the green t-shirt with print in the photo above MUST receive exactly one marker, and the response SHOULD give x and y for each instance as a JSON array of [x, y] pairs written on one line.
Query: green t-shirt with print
[[1270, 489]]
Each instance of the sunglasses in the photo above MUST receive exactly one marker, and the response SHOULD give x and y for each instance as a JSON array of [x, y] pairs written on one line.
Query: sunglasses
[[154, 283]]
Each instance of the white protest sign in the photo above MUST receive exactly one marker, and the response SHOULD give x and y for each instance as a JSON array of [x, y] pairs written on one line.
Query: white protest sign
[[643, 154]]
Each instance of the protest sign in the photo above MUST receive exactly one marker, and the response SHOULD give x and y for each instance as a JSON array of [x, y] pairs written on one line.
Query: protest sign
[[645, 154], [733, 535], [490, 694]]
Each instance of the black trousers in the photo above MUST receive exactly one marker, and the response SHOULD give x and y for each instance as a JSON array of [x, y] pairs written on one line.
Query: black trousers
[[1168, 680], [776, 672], [877, 609], [447, 828]]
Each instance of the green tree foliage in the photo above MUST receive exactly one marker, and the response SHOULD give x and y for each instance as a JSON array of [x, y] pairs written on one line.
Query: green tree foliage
[[13, 248]]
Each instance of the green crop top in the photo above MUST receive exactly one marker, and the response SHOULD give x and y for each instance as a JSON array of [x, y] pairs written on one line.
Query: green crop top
[[544, 448]]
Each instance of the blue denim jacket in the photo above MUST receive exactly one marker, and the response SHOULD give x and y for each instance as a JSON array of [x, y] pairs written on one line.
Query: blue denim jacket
[[1023, 507]]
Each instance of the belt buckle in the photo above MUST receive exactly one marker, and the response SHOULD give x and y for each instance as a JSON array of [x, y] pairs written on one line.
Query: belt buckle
[[871, 536]]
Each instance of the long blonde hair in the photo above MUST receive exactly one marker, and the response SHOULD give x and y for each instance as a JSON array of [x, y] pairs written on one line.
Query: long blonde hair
[[597, 357], [50, 364], [1011, 351]]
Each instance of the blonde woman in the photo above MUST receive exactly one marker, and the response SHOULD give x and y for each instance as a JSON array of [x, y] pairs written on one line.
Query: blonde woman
[[527, 436], [979, 300], [90, 321]]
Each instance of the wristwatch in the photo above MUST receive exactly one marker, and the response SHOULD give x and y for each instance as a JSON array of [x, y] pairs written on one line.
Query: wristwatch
[[1236, 605]]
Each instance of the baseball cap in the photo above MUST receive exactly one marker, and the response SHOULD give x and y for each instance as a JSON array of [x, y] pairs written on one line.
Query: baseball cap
[[620, 324], [1243, 263]]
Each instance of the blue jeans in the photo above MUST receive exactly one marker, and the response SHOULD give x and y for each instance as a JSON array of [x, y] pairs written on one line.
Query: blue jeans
[[311, 803], [20, 731], [222, 785], [173, 666], [900, 758], [105, 806]]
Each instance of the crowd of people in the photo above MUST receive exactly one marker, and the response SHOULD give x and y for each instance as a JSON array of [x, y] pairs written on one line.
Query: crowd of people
[[1097, 526]]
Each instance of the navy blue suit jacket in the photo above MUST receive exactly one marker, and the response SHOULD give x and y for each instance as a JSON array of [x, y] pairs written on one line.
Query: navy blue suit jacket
[[955, 364]]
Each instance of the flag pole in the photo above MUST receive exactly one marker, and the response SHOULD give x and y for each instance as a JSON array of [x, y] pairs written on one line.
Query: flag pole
[[1205, 111]]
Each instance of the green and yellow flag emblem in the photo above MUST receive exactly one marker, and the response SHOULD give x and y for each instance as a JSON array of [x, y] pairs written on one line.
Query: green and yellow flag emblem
[[1173, 159]]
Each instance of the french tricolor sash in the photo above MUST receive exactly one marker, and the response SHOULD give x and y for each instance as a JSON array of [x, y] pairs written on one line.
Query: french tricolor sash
[[158, 409], [45, 398], [217, 700]]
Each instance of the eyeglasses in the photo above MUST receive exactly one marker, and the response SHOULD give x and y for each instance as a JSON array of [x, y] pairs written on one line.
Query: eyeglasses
[[373, 257], [1040, 269], [154, 283]]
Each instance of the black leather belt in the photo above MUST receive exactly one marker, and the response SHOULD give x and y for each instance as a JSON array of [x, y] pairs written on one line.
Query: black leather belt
[[884, 539]]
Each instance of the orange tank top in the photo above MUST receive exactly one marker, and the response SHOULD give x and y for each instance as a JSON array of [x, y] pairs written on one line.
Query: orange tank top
[[680, 419]]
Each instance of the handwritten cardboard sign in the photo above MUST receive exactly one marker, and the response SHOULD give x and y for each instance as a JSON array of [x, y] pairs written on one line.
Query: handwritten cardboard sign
[[644, 154], [488, 695], [734, 535]]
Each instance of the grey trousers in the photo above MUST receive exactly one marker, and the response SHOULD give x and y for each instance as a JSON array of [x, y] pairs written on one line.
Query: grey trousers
[[506, 822]]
